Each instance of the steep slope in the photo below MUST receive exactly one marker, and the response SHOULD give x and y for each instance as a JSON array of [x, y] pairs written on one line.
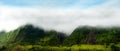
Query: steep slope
[[24, 35], [93, 35], [78, 36], [28, 34], [8, 37]]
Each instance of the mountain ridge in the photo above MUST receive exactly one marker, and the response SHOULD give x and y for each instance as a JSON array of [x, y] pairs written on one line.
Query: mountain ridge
[[29, 34]]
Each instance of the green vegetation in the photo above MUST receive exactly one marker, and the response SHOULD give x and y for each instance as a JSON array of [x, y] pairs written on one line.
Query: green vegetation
[[30, 38]]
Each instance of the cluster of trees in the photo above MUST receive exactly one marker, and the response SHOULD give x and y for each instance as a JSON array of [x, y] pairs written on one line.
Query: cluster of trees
[[30, 35]]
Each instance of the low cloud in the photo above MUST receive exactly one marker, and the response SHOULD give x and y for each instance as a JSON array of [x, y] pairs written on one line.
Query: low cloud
[[65, 20]]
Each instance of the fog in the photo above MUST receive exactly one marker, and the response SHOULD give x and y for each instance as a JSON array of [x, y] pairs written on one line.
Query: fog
[[60, 19]]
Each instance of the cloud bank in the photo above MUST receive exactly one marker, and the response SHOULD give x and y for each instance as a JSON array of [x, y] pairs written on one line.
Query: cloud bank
[[60, 19]]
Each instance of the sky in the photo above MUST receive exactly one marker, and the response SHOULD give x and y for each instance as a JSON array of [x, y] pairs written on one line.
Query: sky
[[60, 15]]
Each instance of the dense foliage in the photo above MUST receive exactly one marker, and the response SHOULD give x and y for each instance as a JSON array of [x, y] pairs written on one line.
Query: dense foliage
[[94, 35], [30, 35]]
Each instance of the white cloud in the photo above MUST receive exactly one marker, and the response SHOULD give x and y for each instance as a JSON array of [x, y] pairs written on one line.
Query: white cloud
[[65, 20]]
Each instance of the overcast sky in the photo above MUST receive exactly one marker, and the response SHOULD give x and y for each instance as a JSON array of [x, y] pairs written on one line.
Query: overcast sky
[[60, 15]]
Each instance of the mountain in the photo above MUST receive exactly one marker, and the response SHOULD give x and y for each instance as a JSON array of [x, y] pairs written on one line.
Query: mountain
[[30, 35], [93, 35], [31, 38], [78, 36], [2, 32]]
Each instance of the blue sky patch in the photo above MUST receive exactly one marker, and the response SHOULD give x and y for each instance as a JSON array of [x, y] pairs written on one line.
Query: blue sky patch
[[54, 3]]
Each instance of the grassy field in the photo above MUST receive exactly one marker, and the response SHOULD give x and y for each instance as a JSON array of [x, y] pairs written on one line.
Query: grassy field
[[82, 47], [90, 47]]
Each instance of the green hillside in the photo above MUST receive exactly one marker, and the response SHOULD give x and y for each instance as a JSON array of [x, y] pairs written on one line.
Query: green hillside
[[93, 35], [29, 37]]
